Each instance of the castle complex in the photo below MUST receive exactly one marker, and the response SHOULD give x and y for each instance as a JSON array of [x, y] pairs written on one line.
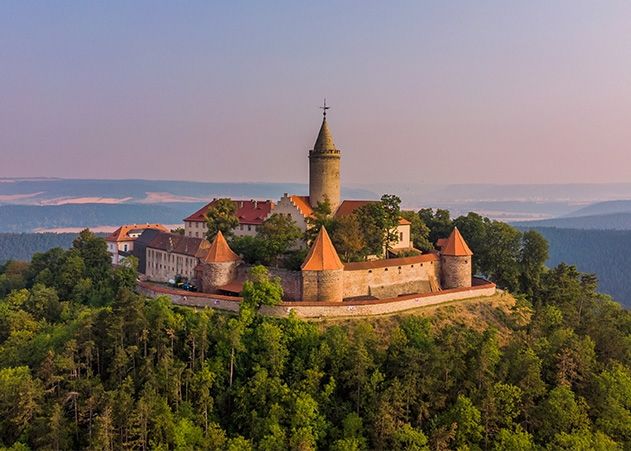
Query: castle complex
[[323, 278]]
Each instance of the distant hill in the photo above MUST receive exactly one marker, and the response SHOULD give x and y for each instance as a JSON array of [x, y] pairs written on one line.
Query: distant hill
[[64, 191], [28, 218], [603, 208], [607, 253], [613, 221]]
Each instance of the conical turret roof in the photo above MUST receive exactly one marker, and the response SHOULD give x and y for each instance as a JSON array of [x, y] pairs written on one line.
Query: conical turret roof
[[219, 251], [456, 245], [322, 255], [324, 141]]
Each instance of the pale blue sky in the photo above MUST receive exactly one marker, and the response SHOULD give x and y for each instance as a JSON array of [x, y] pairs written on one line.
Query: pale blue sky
[[427, 92]]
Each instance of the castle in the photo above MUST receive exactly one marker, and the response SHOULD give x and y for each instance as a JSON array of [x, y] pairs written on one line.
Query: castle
[[323, 277]]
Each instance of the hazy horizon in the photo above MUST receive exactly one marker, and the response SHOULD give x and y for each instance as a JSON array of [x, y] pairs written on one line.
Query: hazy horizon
[[421, 92]]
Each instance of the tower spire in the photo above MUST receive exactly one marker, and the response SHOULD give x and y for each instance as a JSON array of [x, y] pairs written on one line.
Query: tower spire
[[324, 108]]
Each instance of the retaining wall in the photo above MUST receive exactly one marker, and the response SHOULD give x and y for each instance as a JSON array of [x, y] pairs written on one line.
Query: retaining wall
[[323, 309]]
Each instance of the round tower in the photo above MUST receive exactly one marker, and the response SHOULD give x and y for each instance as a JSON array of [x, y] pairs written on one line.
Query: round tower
[[322, 272], [218, 265], [455, 259], [324, 168]]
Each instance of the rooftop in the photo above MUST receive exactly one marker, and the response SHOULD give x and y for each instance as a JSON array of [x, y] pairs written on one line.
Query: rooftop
[[179, 244], [322, 255], [251, 211], [219, 251], [129, 232], [456, 245]]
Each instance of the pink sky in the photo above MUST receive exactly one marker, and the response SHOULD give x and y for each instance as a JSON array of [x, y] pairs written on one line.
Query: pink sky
[[426, 92]]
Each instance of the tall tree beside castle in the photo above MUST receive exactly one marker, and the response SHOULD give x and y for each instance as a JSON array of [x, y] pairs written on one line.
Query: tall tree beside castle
[[221, 216]]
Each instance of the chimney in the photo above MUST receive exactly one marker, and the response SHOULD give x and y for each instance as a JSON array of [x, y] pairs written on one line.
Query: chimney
[[255, 204]]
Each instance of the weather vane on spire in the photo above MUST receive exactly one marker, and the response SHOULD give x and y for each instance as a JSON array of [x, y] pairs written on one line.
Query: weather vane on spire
[[324, 108]]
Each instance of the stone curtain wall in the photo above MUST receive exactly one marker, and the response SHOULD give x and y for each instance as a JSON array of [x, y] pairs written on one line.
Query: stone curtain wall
[[291, 281], [322, 309], [401, 276]]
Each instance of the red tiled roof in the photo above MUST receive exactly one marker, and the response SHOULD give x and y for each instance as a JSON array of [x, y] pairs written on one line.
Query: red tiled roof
[[440, 242], [219, 251], [248, 211], [348, 207], [456, 245], [303, 204], [122, 233], [322, 255]]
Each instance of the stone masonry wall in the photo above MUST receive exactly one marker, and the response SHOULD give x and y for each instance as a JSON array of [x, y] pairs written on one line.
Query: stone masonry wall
[[216, 274], [391, 281], [322, 286], [456, 271], [291, 281], [324, 178], [321, 310]]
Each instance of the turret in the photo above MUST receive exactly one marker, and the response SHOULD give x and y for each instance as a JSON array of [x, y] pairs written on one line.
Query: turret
[[219, 264], [324, 168], [322, 271], [455, 257]]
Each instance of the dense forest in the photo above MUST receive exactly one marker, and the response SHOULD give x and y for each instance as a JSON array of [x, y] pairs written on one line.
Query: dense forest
[[22, 246], [86, 363], [607, 253]]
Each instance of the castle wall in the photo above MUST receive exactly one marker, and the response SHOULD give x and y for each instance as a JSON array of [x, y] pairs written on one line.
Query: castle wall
[[324, 177], [323, 286], [291, 281], [318, 310], [456, 271], [391, 278]]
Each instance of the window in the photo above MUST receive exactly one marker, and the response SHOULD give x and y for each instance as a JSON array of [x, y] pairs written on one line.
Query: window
[[249, 227], [400, 236], [125, 249], [240, 226]]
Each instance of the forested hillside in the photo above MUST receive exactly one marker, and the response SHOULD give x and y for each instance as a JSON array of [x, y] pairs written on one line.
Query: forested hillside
[[85, 363], [22, 246], [606, 253]]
